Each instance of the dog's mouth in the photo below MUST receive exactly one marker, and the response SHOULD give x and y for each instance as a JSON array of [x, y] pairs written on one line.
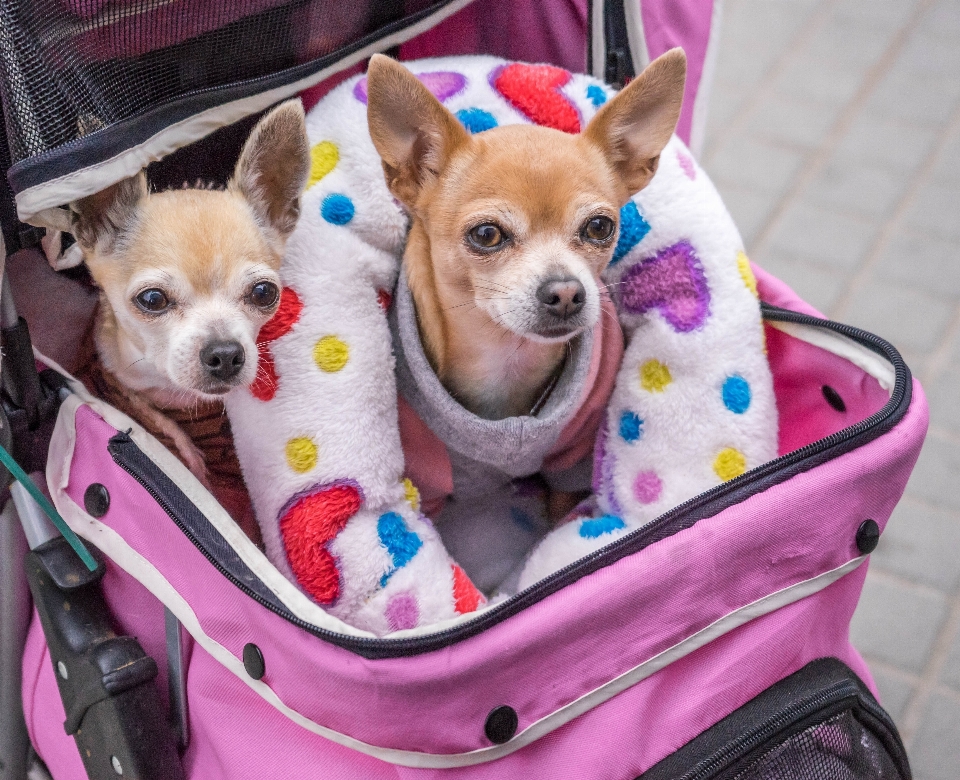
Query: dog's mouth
[[556, 331]]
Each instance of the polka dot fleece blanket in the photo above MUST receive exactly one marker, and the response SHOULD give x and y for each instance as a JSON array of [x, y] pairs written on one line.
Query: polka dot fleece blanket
[[317, 435]]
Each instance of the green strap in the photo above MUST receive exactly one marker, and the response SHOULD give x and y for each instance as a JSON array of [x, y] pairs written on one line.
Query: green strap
[[21, 476]]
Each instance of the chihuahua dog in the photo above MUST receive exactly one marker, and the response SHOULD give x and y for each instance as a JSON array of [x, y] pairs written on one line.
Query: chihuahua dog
[[187, 278], [511, 228]]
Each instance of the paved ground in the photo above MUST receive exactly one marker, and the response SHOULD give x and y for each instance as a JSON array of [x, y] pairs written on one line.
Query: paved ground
[[834, 136]]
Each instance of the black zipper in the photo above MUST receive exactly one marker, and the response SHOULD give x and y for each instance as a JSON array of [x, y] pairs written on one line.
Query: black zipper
[[165, 492]]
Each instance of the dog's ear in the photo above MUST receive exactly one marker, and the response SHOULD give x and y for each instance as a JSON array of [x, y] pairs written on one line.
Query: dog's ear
[[634, 126], [412, 131], [273, 168], [103, 217]]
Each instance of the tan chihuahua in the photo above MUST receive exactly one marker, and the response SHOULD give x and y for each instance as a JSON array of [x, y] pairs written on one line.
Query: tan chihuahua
[[518, 221], [511, 228], [187, 277]]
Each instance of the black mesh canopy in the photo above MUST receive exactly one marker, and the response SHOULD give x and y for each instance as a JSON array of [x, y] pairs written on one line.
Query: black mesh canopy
[[84, 80]]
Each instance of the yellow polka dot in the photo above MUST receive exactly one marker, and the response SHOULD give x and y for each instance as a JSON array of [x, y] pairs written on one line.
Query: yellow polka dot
[[331, 354], [323, 159], [301, 454], [655, 376], [412, 495], [729, 464], [746, 273]]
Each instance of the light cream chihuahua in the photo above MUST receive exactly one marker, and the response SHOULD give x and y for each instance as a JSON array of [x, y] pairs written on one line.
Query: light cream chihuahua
[[187, 277], [510, 228]]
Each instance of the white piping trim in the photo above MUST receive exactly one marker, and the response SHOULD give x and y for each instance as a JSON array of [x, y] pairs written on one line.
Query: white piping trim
[[701, 104], [33, 201], [112, 544], [598, 49], [865, 359], [636, 36]]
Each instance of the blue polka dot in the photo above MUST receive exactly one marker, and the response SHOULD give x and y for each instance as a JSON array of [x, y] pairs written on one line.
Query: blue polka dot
[[631, 427], [591, 529], [400, 541], [596, 95], [736, 394], [337, 209], [476, 120], [633, 227]]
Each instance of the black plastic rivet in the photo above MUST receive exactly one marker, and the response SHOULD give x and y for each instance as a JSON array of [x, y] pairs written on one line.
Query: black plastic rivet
[[253, 661], [501, 725], [833, 398], [96, 500], [868, 536]]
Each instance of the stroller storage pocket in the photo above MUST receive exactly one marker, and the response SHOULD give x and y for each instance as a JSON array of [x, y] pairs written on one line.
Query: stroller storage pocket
[[820, 723]]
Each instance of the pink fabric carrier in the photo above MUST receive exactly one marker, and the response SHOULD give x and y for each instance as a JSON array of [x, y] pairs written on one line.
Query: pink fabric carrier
[[716, 634]]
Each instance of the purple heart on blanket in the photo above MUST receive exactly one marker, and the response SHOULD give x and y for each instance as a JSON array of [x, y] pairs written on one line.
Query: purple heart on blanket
[[443, 84], [673, 282]]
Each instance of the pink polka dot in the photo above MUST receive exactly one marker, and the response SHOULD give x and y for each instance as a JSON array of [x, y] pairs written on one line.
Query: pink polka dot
[[647, 487], [403, 612]]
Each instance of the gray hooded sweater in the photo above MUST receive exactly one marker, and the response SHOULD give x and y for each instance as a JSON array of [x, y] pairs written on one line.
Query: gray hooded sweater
[[491, 472]]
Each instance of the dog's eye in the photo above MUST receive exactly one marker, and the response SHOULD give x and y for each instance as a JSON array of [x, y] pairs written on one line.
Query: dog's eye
[[152, 300], [486, 236], [264, 294], [598, 229]]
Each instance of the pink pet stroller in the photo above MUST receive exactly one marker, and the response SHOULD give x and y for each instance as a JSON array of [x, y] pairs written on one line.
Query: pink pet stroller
[[712, 643]]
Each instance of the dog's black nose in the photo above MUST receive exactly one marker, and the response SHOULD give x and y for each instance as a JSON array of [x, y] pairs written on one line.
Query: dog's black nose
[[223, 359], [562, 297]]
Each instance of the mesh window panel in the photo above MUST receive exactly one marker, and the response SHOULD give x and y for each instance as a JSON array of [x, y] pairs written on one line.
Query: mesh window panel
[[71, 70], [838, 749]]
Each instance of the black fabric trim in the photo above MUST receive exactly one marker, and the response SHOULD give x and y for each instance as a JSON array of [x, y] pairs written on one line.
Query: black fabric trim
[[105, 144], [812, 694]]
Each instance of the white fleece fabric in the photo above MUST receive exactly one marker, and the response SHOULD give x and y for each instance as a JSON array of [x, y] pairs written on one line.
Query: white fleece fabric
[[318, 440]]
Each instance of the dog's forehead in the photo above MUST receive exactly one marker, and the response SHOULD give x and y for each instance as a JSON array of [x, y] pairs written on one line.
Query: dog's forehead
[[209, 239], [548, 174]]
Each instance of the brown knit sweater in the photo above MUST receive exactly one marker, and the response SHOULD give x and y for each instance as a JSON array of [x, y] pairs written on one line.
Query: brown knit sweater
[[205, 424]]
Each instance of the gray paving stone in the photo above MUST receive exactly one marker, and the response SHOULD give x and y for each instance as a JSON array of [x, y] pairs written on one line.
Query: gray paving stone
[[856, 188], [749, 209], [851, 41], [748, 162], [895, 688], [942, 21], [935, 753], [791, 122], [817, 285], [927, 55], [724, 104], [927, 101], [935, 477], [950, 674], [897, 623], [943, 395], [891, 144], [936, 208], [921, 260], [885, 14], [912, 320], [819, 81], [920, 544], [824, 236], [946, 168]]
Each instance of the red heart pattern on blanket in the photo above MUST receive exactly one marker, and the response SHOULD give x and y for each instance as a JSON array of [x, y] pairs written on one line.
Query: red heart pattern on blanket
[[534, 90], [264, 387], [307, 526]]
